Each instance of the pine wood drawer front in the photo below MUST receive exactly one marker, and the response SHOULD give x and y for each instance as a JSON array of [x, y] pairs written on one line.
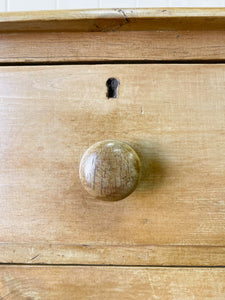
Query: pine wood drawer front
[[35, 282], [174, 117]]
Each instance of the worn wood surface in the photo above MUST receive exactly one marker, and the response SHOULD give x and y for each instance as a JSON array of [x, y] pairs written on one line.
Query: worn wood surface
[[114, 20], [172, 115], [152, 255], [59, 47], [17, 282], [110, 170]]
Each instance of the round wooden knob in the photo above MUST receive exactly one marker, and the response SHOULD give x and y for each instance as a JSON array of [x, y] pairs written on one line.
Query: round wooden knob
[[110, 170]]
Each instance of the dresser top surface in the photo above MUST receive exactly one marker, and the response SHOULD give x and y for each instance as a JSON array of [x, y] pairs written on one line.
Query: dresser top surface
[[117, 19]]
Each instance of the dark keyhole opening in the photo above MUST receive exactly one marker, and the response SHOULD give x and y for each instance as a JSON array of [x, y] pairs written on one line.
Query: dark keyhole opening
[[112, 85]]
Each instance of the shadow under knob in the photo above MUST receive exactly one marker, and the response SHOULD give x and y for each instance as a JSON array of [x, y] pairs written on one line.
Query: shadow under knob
[[110, 170]]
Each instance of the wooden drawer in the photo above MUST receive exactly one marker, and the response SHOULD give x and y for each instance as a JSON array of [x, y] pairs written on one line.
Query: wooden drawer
[[173, 115], [174, 119], [77, 282]]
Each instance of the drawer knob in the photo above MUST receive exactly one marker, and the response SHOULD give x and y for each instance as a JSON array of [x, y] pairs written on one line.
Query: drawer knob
[[110, 170]]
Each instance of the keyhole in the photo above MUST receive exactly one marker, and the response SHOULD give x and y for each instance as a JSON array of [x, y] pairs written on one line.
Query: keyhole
[[112, 85]]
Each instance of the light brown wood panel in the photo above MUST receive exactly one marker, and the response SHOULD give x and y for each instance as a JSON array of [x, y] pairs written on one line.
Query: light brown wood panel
[[111, 283], [152, 255], [172, 115], [114, 20], [110, 46]]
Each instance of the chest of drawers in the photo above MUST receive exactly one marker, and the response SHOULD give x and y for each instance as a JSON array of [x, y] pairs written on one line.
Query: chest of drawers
[[166, 240]]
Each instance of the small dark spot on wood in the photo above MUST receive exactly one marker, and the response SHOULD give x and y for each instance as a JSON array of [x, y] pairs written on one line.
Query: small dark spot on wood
[[112, 85], [35, 257], [178, 36], [164, 10]]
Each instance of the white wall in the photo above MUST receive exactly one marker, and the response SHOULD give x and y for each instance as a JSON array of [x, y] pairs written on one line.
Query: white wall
[[22, 5]]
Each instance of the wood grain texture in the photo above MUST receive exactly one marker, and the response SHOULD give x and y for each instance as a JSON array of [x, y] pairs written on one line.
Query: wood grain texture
[[111, 283], [114, 20], [152, 255], [173, 116], [112, 46], [110, 170]]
